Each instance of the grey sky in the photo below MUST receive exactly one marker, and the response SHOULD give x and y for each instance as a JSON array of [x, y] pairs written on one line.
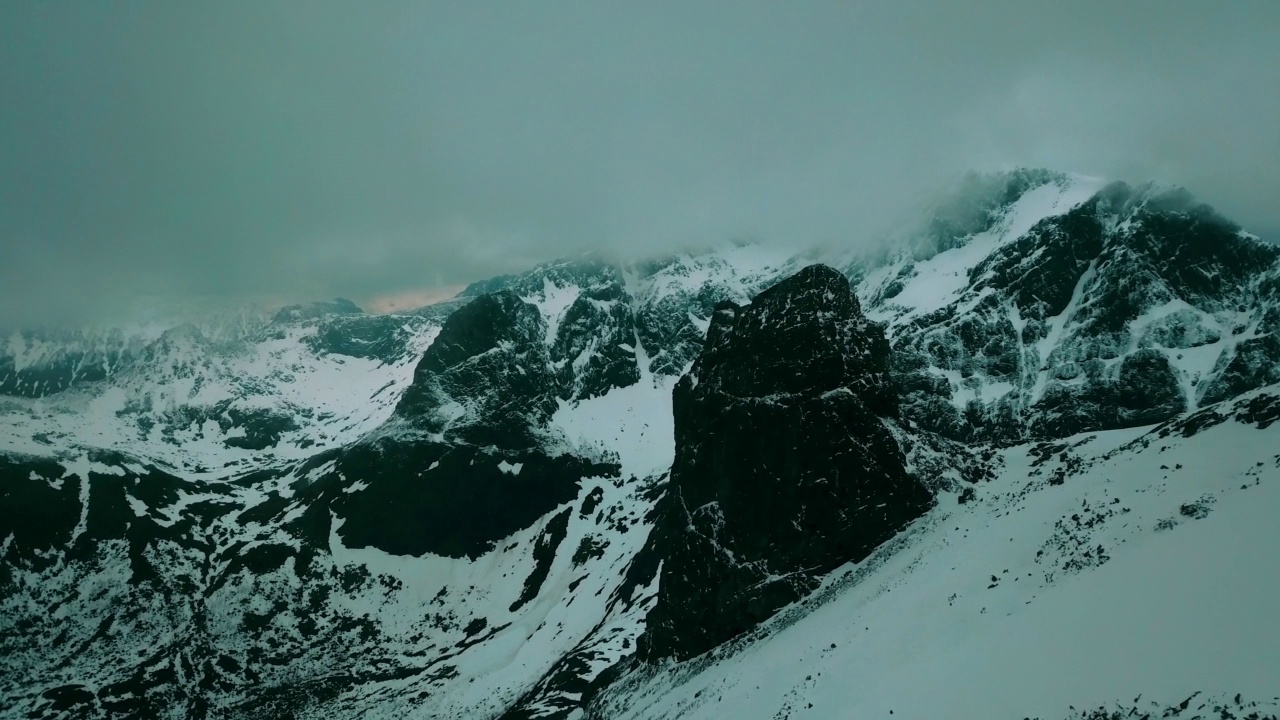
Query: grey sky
[[279, 150]]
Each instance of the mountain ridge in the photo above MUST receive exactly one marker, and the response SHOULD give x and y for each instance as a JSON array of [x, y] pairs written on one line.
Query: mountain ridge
[[451, 512]]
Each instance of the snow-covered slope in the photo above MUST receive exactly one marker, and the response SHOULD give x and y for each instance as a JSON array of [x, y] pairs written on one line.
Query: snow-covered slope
[[1127, 568], [292, 388], [918, 282], [176, 598]]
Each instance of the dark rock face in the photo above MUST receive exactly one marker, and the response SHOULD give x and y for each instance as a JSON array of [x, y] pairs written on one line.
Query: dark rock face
[[487, 379], [1160, 248], [262, 428], [117, 527], [471, 468], [544, 553], [482, 394], [783, 467], [1062, 247], [591, 340], [595, 344], [1254, 363], [1145, 392], [426, 497], [342, 328], [48, 510], [39, 509], [1037, 274], [750, 352], [378, 337], [665, 326], [679, 296]]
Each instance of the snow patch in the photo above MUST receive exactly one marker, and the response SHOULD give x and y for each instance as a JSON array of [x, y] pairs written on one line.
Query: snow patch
[[943, 278], [553, 302], [634, 423]]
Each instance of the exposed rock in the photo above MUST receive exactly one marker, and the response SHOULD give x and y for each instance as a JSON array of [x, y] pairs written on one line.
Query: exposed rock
[[589, 318], [487, 379], [427, 497], [595, 343], [39, 507], [380, 337], [678, 294], [784, 468], [1251, 364]]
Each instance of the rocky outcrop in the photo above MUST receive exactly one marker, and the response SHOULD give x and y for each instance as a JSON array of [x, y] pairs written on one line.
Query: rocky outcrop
[[464, 462], [676, 296], [594, 348], [590, 322], [784, 468], [487, 379]]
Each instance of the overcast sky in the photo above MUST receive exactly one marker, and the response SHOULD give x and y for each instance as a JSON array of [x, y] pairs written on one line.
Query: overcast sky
[[307, 149]]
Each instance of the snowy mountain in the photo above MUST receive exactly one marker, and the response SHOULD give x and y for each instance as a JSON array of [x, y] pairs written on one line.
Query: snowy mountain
[[1020, 461], [194, 400], [1077, 306]]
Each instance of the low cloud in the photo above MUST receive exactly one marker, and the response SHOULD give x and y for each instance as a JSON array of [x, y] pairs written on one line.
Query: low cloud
[[268, 150]]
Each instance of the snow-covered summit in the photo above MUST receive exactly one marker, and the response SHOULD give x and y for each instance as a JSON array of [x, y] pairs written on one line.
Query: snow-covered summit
[[1077, 305]]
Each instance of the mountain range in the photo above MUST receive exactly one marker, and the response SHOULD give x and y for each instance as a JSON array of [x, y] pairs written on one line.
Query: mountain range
[[731, 483]]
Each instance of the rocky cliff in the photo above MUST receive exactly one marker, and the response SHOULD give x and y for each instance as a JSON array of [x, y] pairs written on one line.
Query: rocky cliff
[[783, 469]]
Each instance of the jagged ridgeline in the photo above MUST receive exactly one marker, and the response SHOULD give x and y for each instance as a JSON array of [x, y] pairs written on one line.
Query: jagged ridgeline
[[1073, 306], [586, 486]]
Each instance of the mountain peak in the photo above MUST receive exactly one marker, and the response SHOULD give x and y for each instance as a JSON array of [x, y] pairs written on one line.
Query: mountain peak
[[780, 458], [312, 310]]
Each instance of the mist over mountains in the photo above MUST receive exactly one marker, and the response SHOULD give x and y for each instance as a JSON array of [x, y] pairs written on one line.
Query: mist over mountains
[[262, 153], [699, 484]]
